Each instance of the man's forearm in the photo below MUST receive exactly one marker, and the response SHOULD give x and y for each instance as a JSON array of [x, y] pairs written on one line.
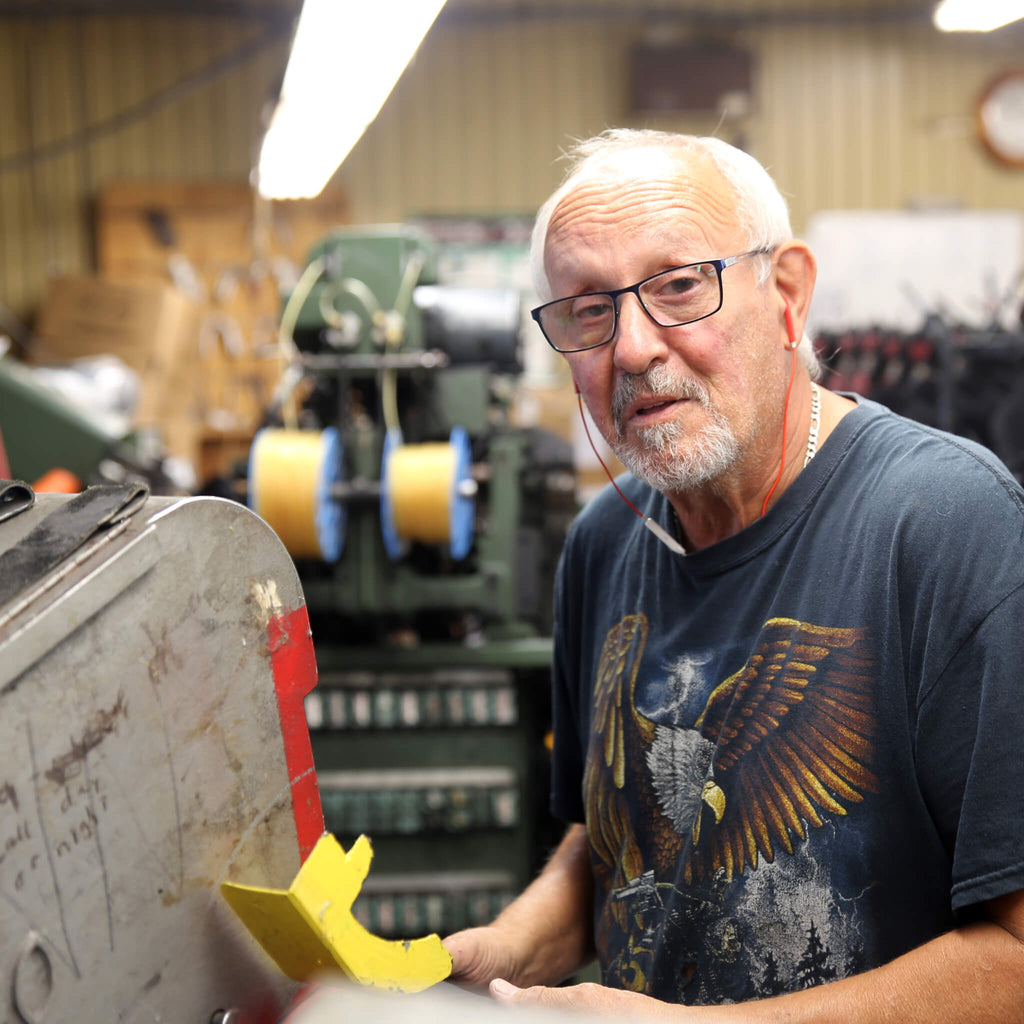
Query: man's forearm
[[973, 975], [550, 922]]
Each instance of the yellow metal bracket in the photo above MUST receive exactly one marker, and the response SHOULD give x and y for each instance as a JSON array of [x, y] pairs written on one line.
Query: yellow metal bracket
[[309, 928]]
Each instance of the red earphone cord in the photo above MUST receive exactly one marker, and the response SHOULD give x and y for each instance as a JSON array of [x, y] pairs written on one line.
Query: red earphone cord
[[607, 473]]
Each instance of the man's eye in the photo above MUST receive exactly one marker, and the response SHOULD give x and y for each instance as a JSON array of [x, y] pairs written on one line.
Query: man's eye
[[591, 310], [680, 283]]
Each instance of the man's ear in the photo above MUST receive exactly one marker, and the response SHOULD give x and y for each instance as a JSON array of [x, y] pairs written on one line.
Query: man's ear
[[795, 273]]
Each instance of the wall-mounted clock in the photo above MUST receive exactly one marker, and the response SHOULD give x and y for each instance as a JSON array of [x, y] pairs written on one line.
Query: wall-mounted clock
[[1000, 117]]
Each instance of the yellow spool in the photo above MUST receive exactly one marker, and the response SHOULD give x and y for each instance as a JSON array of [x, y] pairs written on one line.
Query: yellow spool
[[290, 473], [421, 482], [427, 494]]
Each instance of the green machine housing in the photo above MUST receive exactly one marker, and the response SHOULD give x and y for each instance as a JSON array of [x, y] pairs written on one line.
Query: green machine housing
[[41, 430], [429, 720]]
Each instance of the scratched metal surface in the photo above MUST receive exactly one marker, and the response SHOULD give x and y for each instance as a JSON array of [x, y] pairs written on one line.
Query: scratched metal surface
[[141, 764]]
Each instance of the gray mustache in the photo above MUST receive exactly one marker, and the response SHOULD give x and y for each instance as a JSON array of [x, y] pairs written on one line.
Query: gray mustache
[[657, 380]]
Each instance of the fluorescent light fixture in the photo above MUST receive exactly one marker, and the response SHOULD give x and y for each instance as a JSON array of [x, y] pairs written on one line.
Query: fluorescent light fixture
[[976, 15], [346, 57]]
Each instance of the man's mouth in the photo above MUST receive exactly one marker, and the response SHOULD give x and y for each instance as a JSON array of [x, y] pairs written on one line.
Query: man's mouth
[[646, 410], [655, 397]]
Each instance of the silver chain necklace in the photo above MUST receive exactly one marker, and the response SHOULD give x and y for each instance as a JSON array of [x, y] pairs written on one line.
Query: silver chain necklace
[[812, 435]]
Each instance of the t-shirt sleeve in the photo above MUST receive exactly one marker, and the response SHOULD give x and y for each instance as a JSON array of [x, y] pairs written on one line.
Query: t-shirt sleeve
[[970, 767], [568, 751]]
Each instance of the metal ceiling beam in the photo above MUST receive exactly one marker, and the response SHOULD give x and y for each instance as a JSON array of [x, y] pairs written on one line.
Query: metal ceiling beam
[[274, 13], [699, 14]]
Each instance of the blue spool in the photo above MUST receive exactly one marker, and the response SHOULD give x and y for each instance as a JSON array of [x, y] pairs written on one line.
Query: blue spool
[[463, 506], [331, 517], [393, 544]]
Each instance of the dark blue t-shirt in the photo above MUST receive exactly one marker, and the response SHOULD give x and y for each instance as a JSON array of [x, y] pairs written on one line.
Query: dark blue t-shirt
[[797, 751]]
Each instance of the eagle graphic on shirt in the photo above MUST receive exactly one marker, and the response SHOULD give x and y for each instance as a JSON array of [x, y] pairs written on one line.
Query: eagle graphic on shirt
[[778, 748]]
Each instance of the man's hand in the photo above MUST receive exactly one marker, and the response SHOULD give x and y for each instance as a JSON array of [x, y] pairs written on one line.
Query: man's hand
[[541, 937], [595, 1000], [973, 973], [479, 955]]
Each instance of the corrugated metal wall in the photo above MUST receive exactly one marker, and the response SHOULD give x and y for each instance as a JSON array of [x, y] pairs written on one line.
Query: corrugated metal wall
[[89, 100], [845, 115], [848, 114]]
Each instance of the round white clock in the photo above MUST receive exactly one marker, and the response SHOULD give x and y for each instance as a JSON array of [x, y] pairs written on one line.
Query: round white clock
[[1000, 117]]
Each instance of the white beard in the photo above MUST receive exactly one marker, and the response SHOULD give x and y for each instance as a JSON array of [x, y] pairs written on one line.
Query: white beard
[[669, 459], [665, 455]]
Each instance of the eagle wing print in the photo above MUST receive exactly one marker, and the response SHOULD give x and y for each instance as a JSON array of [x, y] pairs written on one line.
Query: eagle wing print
[[793, 730], [619, 735]]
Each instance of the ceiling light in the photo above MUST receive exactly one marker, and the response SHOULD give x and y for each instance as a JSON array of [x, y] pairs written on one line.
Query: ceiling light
[[346, 57], [976, 15]]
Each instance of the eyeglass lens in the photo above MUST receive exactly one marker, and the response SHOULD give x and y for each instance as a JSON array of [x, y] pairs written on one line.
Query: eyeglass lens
[[671, 299]]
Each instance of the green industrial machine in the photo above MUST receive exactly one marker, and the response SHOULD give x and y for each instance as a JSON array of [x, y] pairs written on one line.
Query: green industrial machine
[[42, 430], [375, 333], [426, 527]]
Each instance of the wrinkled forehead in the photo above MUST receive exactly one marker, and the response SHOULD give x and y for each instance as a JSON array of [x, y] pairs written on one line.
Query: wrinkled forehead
[[645, 192]]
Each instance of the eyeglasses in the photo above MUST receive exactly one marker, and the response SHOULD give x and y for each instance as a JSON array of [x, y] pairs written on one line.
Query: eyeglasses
[[672, 298]]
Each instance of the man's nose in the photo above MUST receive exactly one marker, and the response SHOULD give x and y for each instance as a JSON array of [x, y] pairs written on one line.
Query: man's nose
[[638, 340]]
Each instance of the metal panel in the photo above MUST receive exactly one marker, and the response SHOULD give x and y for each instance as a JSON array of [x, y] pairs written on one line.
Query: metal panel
[[150, 691]]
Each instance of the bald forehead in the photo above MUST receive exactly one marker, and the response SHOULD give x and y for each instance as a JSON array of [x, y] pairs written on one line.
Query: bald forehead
[[679, 198]]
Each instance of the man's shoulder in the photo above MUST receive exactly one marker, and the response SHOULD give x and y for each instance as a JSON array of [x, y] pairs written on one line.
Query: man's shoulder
[[925, 493], [907, 461]]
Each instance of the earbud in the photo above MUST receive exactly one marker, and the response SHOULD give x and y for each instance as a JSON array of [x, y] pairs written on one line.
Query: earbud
[[790, 329], [576, 386]]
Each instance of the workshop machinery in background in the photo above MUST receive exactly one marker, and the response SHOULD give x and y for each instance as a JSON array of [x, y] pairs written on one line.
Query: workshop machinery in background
[[969, 382], [425, 526], [43, 431]]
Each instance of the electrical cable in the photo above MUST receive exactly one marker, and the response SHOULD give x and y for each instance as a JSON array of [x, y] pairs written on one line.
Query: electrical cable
[[349, 286], [145, 109], [394, 330], [287, 350], [656, 528], [410, 278]]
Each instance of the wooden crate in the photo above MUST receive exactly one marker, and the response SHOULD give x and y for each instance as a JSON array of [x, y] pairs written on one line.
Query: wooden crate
[[232, 253]]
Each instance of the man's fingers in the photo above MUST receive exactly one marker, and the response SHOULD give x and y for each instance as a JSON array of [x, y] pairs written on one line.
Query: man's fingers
[[477, 957], [504, 991], [588, 997]]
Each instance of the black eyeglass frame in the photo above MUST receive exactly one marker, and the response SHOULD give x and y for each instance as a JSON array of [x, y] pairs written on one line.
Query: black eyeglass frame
[[614, 293]]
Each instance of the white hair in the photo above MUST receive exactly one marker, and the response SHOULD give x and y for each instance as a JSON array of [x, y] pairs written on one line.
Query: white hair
[[760, 209]]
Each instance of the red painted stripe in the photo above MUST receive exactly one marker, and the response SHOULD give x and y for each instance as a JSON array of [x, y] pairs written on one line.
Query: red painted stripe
[[293, 663]]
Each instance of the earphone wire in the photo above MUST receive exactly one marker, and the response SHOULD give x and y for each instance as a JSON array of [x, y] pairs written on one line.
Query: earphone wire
[[597, 455], [655, 527]]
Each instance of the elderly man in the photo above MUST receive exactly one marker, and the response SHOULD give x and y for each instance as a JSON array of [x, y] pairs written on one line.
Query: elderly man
[[788, 711]]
